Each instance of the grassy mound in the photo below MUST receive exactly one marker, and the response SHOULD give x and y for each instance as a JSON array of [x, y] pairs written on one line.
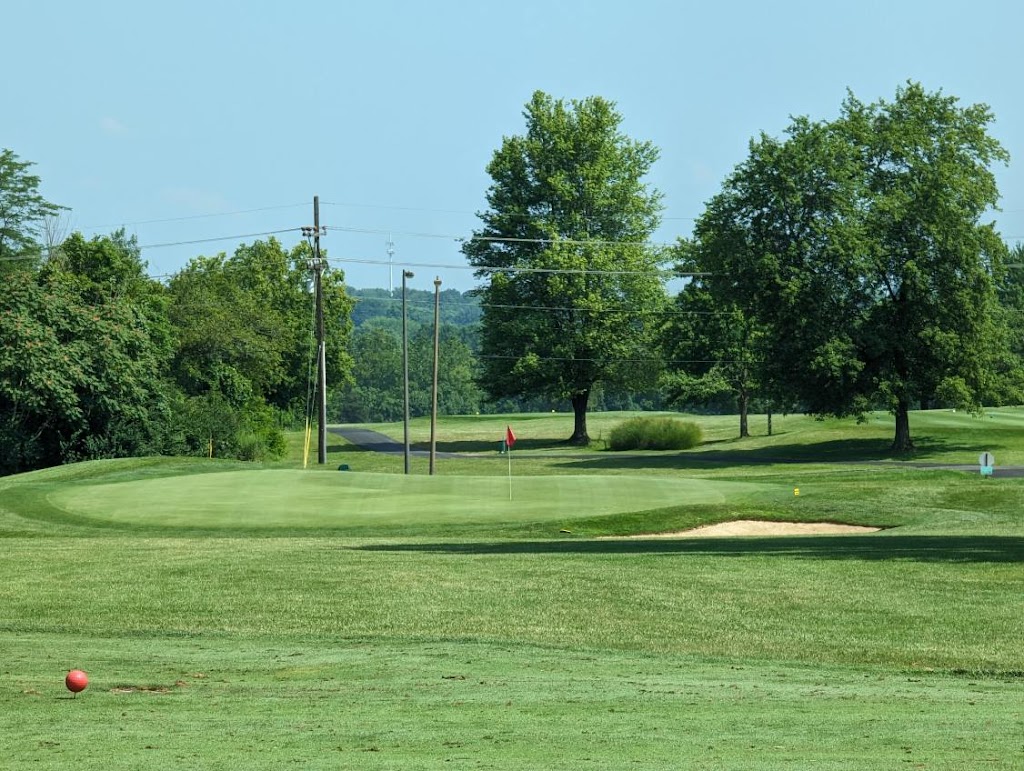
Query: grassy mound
[[286, 498]]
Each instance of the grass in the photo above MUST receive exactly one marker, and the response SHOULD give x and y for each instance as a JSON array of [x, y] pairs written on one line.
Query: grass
[[295, 499], [232, 615], [431, 705]]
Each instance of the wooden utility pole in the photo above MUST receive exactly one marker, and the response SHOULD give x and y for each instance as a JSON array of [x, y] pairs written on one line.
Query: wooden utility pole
[[317, 265], [433, 392], [406, 274], [321, 364]]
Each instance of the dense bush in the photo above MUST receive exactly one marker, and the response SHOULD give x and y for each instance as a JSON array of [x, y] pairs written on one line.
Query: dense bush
[[655, 434]]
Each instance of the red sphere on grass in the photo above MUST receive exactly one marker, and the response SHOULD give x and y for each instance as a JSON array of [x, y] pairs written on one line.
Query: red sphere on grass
[[76, 680]]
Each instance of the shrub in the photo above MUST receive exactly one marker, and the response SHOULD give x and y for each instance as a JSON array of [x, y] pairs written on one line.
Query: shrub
[[655, 434]]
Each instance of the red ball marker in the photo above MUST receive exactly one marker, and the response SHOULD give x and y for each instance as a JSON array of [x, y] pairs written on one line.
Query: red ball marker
[[76, 681]]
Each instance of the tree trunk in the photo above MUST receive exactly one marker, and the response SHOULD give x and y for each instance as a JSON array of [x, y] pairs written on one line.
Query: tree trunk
[[902, 441], [769, 421], [744, 402], [579, 408]]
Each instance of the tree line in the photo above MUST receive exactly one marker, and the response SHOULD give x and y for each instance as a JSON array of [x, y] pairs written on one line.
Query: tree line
[[843, 267], [99, 360]]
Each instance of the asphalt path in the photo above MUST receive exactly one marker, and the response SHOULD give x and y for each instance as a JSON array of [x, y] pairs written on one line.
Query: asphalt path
[[378, 442]]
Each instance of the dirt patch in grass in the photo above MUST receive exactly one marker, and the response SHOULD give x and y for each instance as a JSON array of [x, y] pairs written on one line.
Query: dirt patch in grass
[[750, 527], [147, 688]]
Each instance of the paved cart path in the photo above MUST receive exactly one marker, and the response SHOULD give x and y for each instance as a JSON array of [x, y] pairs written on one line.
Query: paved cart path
[[378, 442]]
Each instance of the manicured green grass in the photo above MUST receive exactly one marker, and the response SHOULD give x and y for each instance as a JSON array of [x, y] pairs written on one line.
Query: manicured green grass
[[297, 499], [235, 616]]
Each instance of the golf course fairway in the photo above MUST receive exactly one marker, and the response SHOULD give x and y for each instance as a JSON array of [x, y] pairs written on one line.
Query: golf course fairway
[[291, 498]]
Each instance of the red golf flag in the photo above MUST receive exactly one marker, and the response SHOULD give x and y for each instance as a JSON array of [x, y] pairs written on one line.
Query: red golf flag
[[510, 438]]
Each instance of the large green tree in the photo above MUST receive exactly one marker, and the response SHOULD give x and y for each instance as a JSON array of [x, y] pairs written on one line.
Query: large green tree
[[712, 348], [244, 325], [859, 244], [244, 346], [564, 257], [80, 371], [23, 211]]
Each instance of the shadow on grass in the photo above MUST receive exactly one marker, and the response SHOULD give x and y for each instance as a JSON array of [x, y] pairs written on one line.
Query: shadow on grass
[[952, 549], [838, 451], [476, 446]]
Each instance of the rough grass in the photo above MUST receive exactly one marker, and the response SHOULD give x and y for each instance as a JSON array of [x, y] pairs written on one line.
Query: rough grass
[[655, 434]]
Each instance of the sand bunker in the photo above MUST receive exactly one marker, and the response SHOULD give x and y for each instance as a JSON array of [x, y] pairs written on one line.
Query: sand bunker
[[749, 527]]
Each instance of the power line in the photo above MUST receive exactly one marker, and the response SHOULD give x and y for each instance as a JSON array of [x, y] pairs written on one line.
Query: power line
[[429, 210], [638, 312], [398, 208], [622, 361], [195, 216], [219, 238], [669, 272], [26, 257], [502, 239]]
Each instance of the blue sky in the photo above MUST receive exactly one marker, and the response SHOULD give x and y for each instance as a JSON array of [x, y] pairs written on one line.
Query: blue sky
[[193, 120]]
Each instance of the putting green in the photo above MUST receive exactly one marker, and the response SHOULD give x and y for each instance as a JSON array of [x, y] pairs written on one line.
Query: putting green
[[291, 498]]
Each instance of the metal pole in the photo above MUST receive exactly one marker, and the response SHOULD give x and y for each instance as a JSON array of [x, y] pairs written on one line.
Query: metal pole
[[405, 369], [321, 363], [433, 393], [391, 267]]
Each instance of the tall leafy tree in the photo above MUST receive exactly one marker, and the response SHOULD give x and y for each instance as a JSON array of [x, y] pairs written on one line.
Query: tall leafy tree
[[244, 345], [103, 267], [80, 373], [712, 348], [23, 212], [859, 244], [563, 254]]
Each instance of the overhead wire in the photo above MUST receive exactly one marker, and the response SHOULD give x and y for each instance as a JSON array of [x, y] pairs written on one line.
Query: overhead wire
[[499, 239], [219, 238], [639, 312], [513, 269], [622, 361], [196, 216]]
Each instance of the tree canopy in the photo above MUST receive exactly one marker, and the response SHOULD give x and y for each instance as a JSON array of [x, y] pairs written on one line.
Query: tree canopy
[[564, 256], [859, 244], [23, 211], [243, 327], [80, 373], [712, 348]]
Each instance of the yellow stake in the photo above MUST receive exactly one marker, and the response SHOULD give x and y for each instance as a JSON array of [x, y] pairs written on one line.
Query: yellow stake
[[305, 450]]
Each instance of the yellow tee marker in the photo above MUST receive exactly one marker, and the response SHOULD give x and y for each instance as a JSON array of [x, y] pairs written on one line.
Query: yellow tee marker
[[796, 491]]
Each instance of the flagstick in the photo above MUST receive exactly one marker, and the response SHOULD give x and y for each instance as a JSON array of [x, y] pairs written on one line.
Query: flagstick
[[509, 451]]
